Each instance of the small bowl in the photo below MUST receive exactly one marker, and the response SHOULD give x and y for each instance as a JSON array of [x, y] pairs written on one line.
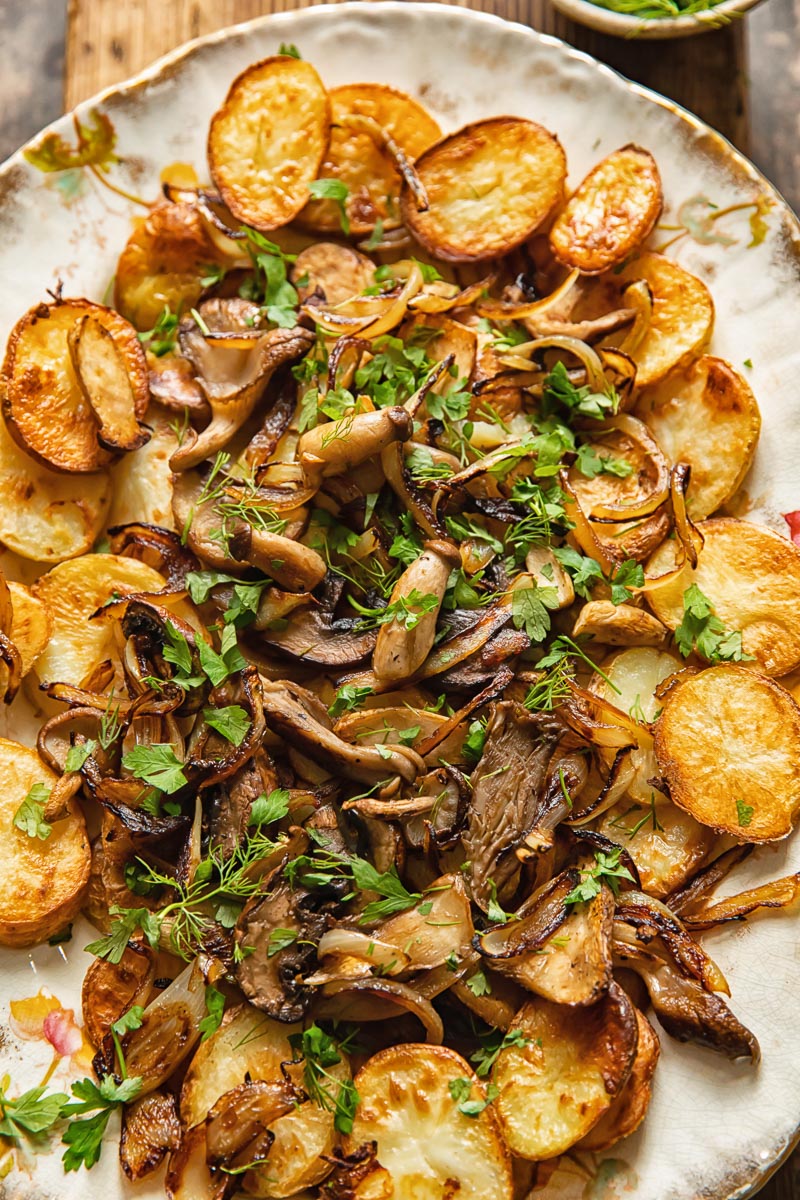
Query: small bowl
[[627, 26]]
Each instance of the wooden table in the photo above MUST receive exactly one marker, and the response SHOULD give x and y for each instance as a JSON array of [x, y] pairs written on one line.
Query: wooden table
[[743, 80]]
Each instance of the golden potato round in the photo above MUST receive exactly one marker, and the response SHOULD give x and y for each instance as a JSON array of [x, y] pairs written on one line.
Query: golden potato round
[[490, 186], [369, 173], [611, 213], [630, 1107], [45, 409], [43, 880], [31, 626], [557, 1087], [142, 481], [75, 590], [707, 417], [163, 264], [427, 1145], [267, 141], [682, 317], [728, 746], [44, 515], [250, 1043], [752, 578]]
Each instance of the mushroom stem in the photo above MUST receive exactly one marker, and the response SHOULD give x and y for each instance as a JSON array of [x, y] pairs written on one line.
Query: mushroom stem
[[337, 446], [401, 651]]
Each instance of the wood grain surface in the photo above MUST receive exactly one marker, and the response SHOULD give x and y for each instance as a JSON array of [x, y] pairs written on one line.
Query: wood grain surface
[[743, 80], [108, 40]]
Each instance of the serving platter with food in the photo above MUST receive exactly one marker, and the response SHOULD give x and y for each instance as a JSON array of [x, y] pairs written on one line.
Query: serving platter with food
[[398, 628]]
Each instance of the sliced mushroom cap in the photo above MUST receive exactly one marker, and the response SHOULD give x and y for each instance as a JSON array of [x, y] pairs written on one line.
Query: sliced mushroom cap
[[312, 636], [619, 625], [272, 979], [508, 784], [292, 565], [233, 363]]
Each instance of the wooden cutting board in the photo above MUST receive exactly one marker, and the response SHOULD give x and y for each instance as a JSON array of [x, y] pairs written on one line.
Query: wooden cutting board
[[109, 40]]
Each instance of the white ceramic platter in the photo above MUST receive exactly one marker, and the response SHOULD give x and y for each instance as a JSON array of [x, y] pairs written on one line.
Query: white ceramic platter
[[715, 1130]]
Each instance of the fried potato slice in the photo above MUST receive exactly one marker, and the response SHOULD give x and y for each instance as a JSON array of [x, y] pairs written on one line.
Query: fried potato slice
[[667, 844], [728, 745], [142, 481], [682, 318], [44, 515], [630, 1107], [428, 1146], [31, 624], [707, 417], [555, 1088], [612, 212], [43, 879], [163, 264], [103, 378], [489, 187], [250, 1043], [339, 272], [267, 141], [369, 173], [751, 575], [45, 407], [75, 590]]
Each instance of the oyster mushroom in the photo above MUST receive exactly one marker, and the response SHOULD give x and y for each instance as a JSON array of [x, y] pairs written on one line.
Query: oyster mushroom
[[401, 650], [291, 712], [233, 362], [337, 446]]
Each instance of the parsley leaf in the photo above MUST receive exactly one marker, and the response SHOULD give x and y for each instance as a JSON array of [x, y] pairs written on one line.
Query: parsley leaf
[[266, 809], [218, 666], [347, 698], [559, 391], [231, 721], [529, 610], [462, 528], [406, 611], [335, 1095], [495, 912], [606, 869], [337, 191], [112, 946], [77, 755], [289, 49], [157, 765], [703, 631], [179, 654], [629, 574], [478, 984], [591, 464], [492, 1046], [279, 939], [270, 284], [475, 739], [460, 1090], [162, 338], [583, 571], [744, 813], [29, 817], [31, 1113], [215, 1009], [84, 1139]]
